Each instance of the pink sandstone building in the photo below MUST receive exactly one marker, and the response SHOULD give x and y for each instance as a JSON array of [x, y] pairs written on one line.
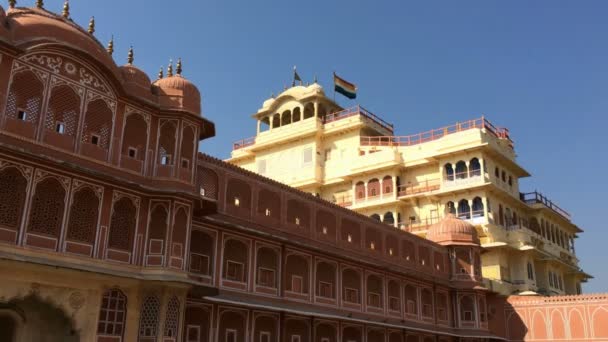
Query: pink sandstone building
[[114, 227]]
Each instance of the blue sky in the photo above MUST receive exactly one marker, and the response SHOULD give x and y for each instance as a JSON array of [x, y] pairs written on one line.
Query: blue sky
[[539, 68]]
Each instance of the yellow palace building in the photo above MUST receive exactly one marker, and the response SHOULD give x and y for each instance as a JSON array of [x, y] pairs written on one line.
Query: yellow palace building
[[353, 158]]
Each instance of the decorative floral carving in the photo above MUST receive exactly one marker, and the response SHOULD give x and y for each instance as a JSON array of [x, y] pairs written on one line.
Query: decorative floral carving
[[92, 81], [41, 174], [52, 63], [76, 300], [131, 110], [116, 195], [77, 184]]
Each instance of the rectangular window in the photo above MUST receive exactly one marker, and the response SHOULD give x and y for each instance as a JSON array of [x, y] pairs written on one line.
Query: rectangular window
[[21, 114], [262, 167], [132, 152], [264, 336], [199, 263], [394, 303], [60, 127], [411, 306], [326, 290], [468, 316], [297, 284], [442, 314], [373, 300], [351, 295], [230, 335], [265, 277], [234, 271], [193, 333], [325, 339], [165, 159], [427, 310], [95, 139], [185, 163], [307, 156]]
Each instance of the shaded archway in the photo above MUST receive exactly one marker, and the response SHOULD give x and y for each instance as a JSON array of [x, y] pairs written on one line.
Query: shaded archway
[[43, 321]]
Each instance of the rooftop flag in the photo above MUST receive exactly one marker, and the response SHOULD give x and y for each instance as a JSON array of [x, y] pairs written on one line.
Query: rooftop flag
[[296, 77], [344, 87]]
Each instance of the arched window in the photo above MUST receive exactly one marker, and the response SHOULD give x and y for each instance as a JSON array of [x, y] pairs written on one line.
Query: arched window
[[360, 190], [467, 309], [309, 110], [207, 182], [478, 207], [373, 188], [503, 176], [387, 185], [238, 194], [84, 214], [134, 142], [464, 210], [112, 313], [236, 256], [351, 286], [461, 170], [474, 167], [63, 112], [47, 208], [25, 102], [166, 145], [501, 217], [172, 318], [450, 208], [394, 296], [449, 172], [201, 253], [375, 217], [426, 297], [276, 120], [188, 148], [122, 224], [286, 118], [13, 187], [375, 291], [296, 114], [148, 321], [267, 267], [157, 232], [411, 300], [297, 274], [388, 218], [97, 129], [496, 172], [326, 280], [298, 213]]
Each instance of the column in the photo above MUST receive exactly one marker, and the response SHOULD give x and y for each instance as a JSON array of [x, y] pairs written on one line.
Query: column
[[470, 208], [354, 193], [316, 110], [467, 163], [271, 122], [365, 185], [259, 125], [396, 219], [395, 190]]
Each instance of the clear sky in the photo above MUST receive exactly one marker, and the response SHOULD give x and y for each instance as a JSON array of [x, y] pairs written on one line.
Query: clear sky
[[539, 68]]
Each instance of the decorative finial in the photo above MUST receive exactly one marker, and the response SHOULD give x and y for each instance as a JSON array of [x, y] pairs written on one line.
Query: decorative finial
[[160, 72], [66, 9], [39, 3], [315, 81], [110, 47], [178, 67], [170, 68], [92, 25], [12, 3], [130, 56], [272, 95]]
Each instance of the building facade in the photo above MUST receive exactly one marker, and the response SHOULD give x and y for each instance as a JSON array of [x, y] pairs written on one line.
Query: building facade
[[352, 158], [113, 227]]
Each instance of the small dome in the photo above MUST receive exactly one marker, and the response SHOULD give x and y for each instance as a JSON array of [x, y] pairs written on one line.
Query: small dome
[[268, 103], [176, 92], [316, 87], [453, 231], [134, 75], [3, 30]]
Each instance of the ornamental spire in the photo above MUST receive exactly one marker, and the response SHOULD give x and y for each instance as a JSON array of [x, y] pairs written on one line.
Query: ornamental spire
[[110, 47], [178, 67], [130, 56], [170, 68], [66, 9], [39, 3], [92, 25], [160, 72], [12, 3]]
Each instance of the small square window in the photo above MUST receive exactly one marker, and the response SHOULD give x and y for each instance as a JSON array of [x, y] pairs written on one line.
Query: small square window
[[132, 152], [267, 212], [325, 230], [95, 139], [237, 202], [60, 128], [21, 114], [185, 163], [165, 160]]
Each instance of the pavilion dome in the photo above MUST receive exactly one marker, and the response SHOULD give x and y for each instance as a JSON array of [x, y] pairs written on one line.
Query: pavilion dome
[[136, 81], [178, 93], [453, 231]]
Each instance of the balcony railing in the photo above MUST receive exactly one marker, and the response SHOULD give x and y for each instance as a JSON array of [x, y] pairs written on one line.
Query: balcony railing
[[421, 187], [537, 197], [344, 201], [243, 143], [435, 134], [419, 224], [357, 110]]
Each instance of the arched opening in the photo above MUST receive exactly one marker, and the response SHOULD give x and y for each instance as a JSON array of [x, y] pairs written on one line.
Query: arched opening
[[265, 328], [269, 204], [408, 251], [360, 190], [426, 297], [449, 172], [207, 182], [463, 260], [35, 319], [474, 168], [286, 118], [461, 170], [24, 104], [61, 121], [373, 240], [394, 296], [296, 114], [232, 326], [238, 196], [188, 150], [148, 321], [236, 255], [325, 332], [46, 214], [309, 111], [13, 187], [157, 235], [411, 300], [134, 142], [97, 130], [464, 210], [177, 249], [112, 314], [350, 233], [298, 213], [351, 286], [122, 225], [326, 280], [387, 185], [450, 208], [265, 124], [467, 309], [197, 324], [375, 291], [373, 188], [375, 217], [84, 215], [478, 210], [326, 225], [276, 120], [166, 149], [267, 267], [389, 218], [297, 274], [441, 304], [202, 250]]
